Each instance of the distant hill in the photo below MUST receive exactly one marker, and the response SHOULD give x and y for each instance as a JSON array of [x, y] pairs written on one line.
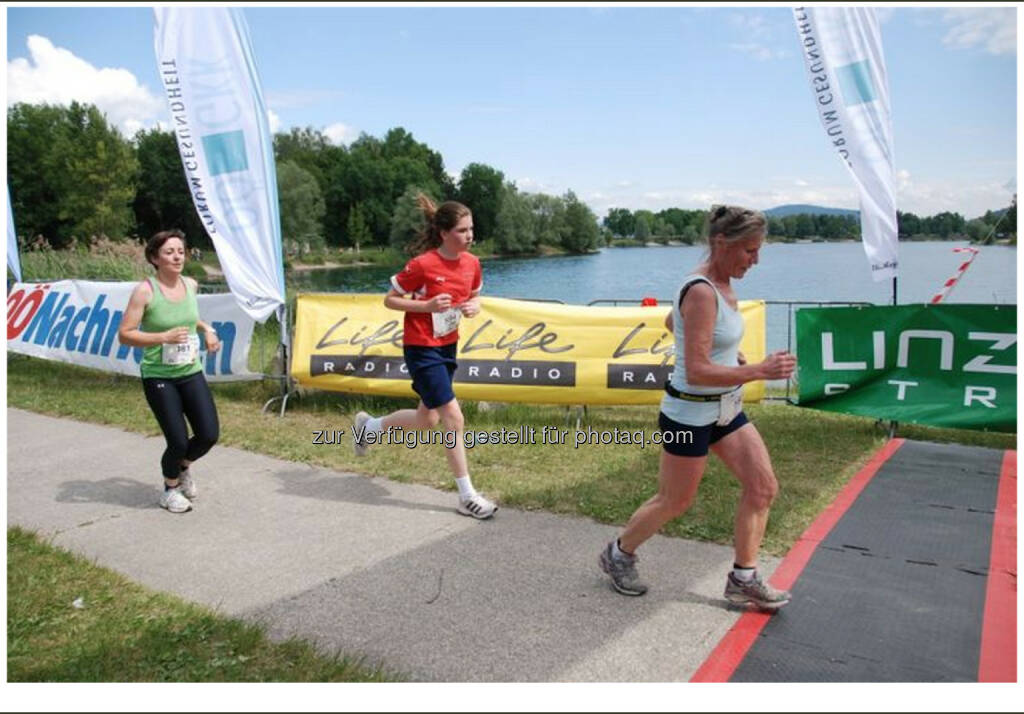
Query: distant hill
[[791, 209]]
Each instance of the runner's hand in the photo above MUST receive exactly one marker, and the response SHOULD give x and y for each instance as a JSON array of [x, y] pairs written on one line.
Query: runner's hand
[[440, 303], [470, 308], [177, 334], [212, 341], [778, 365]]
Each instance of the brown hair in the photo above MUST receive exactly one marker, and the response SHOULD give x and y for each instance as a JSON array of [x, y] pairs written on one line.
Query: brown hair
[[734, 223], [438, 218], [154, 244]]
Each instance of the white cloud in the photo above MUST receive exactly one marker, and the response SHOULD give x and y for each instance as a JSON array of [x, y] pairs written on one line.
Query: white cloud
[[274, 120], [340, 134], [801, 183], [54, 75], [762, 53], [752, 24], [902, 179], [526, 184], [757, 37], [995, 29]]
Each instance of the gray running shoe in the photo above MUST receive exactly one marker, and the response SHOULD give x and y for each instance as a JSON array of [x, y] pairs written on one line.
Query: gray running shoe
[[756, 592], [358, 444], [622, 571]]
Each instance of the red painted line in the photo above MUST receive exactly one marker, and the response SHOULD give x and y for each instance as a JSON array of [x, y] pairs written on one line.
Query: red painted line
[[726, 657], [998, 660]]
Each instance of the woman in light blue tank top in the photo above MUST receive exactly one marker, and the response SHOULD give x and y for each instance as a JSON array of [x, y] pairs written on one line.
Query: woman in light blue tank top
[[702, 411]]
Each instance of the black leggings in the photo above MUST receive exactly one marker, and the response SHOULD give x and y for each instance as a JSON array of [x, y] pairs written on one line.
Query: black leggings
[[174, 399]]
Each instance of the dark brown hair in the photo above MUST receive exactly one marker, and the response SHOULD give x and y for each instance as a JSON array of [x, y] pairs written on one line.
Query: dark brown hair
[[437, 219], [154, 244]]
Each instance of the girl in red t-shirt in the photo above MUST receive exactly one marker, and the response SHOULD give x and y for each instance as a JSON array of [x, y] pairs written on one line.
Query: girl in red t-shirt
[[435, 290]]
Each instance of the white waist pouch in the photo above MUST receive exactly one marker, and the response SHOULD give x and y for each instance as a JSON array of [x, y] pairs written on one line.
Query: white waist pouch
[[729, 406], [446, 322], [181, 352]]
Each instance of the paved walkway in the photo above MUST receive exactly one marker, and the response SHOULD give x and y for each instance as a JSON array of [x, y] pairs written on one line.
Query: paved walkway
[[368, 566]]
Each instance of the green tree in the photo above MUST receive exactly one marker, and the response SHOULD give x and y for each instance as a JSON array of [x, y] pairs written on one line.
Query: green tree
[[908, 224], [548, 218], [407, 220], [358, 231], [307, 148], [642, 227], [163, 199], [676, 219], [69, 173], [515, 230], [620, 221], [302, 205], [581, 231], [480, 190], [35, 172], [101, 171], [662, 229]]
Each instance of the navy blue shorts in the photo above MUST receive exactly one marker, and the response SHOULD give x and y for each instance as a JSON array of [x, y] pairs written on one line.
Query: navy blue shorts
[[431, 369], [685, 440]]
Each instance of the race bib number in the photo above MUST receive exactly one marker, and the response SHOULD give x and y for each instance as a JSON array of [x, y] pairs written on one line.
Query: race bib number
[[181, 352], [446, 322], [730, 406]]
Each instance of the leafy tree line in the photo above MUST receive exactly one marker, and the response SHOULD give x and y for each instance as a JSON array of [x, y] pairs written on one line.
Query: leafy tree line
[[73, 176], [689, 226]]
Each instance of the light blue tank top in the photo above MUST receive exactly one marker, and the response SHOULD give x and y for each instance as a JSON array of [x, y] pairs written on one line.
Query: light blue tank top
[[725, 346]]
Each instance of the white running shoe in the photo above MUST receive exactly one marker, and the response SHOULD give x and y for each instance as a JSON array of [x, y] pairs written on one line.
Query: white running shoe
[[477, 506], [360, 445], [187, 485], [174, 500]]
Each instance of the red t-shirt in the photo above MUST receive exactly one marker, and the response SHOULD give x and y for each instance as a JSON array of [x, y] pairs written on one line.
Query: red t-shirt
[[427, 276]]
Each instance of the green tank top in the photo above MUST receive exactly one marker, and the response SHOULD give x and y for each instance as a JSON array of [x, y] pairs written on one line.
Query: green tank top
[[161, 315]]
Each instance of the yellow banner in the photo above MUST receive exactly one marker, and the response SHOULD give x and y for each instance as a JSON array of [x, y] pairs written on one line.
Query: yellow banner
[[513, 351]]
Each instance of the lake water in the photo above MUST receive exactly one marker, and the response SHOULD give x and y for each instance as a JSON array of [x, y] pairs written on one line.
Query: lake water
[[786, 272]]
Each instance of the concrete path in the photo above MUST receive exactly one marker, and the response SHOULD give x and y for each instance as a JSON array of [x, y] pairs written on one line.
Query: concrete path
[[368, 566]]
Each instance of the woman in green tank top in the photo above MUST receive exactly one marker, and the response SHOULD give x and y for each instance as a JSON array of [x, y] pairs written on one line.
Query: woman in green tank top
[[162, 317]]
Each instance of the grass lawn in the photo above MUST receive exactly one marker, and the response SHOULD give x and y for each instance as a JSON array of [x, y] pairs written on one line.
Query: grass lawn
[[71, 621]]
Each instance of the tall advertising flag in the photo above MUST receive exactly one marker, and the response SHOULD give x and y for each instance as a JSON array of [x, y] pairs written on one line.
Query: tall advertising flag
[[13, 261], [219, 119], [842, 49]]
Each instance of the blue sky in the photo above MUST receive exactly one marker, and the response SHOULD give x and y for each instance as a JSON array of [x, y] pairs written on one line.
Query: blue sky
[[636, 107]]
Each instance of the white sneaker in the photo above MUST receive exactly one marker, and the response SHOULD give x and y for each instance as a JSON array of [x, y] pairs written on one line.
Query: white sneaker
[[477, 506], [187, 485], [359, 445], [174, 500]]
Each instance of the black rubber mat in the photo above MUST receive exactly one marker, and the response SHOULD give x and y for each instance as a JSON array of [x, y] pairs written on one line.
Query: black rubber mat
[[896, 592]]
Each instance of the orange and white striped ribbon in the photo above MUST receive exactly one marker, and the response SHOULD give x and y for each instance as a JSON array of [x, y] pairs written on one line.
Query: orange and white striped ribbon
[[948, 285]]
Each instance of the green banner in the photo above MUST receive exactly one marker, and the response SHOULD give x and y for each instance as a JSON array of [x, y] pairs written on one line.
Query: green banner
[[943, 365]]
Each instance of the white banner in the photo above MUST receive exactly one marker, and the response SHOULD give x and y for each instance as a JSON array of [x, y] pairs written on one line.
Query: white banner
[[219, 118], [13, 261], [76, 321], [842, 49]]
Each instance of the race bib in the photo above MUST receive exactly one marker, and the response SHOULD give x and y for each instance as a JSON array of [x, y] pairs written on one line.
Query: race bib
[[446, 322], [729, 406], [181, 352]]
